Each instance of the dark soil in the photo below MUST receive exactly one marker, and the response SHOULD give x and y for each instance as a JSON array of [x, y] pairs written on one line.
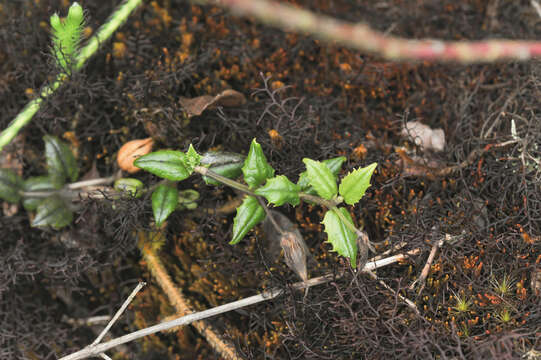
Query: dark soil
[[323, 101]]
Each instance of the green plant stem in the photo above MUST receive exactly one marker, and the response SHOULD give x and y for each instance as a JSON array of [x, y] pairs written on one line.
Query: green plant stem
[[226, 181], [241, 187], [329, 204], [26, 114], [270, 216], [116, 19], [105, 31]]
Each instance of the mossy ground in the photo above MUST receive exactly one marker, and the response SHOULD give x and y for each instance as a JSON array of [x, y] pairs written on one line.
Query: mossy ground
[[338, 102]]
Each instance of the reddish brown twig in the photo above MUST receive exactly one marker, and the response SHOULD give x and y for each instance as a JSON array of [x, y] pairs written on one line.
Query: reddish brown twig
[[362, 37], [413, 167], [181, 304]]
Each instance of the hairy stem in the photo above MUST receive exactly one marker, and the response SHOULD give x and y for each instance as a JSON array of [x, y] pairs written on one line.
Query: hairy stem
[[180, 302], [105, 31], [362, 37]]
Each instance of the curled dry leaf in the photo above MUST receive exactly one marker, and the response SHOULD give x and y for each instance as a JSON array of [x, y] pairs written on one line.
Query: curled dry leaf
[[196, 106], [423, 136], [283, 234], [295, 252], [130, 151]]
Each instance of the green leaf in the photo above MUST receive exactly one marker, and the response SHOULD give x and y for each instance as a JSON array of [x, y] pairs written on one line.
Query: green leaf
[[61, 163], [193, 159], [256, 169], [168, 164], [280, 190], [321, 178], [187, 199], [132, 186], [164, 202], [223, 163], [343, 240], [10, 185], [249, 214], [37, 183], [54, 212], [354, 185], [334, 164]]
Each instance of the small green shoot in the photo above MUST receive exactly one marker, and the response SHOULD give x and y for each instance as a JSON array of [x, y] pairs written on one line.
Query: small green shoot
[[67, 34], [320, 178], [463, 304], [504, 316], [503, 287]]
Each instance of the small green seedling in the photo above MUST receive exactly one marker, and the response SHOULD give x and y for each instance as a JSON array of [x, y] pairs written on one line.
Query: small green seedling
[[67, 34], [43, 194], [318, 184], [463, 304], [504, 316], [503, 287], [51, 196]]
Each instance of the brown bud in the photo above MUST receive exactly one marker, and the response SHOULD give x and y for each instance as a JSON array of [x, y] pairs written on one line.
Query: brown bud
[[131, 151], [295, 251]]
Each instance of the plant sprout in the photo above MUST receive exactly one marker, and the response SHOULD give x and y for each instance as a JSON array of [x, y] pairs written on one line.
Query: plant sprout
[[318, 184], [504, 286], [463, 304]]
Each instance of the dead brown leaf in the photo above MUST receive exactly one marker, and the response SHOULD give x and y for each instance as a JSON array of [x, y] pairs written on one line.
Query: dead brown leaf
[[196, 106], [281, 231]]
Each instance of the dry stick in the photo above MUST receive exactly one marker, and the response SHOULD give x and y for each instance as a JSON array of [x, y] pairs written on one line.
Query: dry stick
[[119, 312], [362, 37], [424, 274], [408, 302], [93, 320], [396, 247], [91, 351], [223, 347]]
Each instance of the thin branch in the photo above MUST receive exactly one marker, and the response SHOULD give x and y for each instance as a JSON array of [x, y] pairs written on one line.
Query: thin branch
[[536, 6], [426, 269], [97, 349], [407, 301], [119, 313], [91, 182], [362, 37], [181, 303], [93, 320]]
